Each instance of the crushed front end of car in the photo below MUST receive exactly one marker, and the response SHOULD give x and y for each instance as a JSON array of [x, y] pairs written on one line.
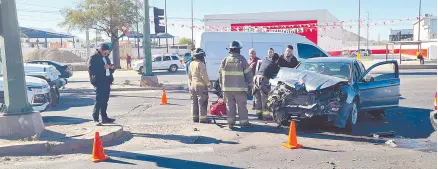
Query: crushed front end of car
[[301, 95]]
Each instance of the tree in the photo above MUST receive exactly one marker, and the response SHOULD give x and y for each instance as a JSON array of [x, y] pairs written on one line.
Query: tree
[[98, 39], [187, 41], [109, 16]]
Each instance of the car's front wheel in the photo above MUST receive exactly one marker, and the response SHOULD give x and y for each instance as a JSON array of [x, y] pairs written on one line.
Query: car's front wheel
[[173, 68], [352, 117]]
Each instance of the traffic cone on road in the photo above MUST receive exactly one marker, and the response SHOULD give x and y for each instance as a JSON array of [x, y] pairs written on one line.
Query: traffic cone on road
[[98, 153], [164, 98], [292, 142]]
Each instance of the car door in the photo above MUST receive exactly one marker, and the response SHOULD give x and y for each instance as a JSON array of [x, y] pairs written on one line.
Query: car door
[[379, 86], [167, 61], [157, 63], [306, 51]]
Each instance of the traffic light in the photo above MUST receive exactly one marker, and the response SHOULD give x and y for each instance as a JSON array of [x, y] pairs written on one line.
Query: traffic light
[[158, 16]]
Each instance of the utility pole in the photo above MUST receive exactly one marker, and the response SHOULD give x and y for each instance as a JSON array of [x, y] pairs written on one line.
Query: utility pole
[[17, 118], [358, 35], [193, 40], [147, 64], [419, 27], [165, 24], [368, 29]]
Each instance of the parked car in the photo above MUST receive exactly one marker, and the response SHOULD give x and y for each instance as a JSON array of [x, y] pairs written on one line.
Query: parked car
[[38, 93], [215, 44], [51, 75], [433, 113], [334, 87], [363, 52], [170, 62], [64, 69]]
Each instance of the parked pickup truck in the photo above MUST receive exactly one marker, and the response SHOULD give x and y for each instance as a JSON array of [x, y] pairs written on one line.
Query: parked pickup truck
[[38, 93], [51, 75]]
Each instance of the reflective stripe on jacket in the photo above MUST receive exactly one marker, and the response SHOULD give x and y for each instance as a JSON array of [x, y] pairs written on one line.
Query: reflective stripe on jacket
[[235, 74], [198, 74]]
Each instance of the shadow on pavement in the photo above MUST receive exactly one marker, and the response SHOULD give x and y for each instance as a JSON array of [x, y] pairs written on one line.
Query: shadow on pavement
[[118, 162], [164, 162], [62, 120], [406, 122], [73, 100], [185, 139], [318, 149]]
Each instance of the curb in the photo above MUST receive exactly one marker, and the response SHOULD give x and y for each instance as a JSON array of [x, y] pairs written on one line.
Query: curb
[[44, 147], [179, 87]]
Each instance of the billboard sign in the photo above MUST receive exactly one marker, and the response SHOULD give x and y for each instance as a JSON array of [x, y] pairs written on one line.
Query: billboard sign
[[297, 27]]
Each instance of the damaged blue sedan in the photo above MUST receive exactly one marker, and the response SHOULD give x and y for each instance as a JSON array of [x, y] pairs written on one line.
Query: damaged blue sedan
[[336, 88]]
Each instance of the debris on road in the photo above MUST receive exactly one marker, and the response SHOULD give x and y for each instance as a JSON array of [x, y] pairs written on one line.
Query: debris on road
[[391, 143], [382, 134], [195, 129]]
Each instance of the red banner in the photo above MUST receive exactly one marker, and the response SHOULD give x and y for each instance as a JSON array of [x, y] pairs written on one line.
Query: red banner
[[297, 27]]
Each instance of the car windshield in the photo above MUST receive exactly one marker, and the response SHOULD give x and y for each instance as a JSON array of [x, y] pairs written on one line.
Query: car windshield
[[336, 69]]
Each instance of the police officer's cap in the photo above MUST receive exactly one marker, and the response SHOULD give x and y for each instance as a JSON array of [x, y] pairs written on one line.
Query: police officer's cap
[[235, 45]]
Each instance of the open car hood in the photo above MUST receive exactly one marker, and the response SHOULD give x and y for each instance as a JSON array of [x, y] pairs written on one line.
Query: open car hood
[[311, 80]]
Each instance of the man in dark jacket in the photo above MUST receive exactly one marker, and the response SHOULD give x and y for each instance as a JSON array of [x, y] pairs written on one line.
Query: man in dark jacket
[[288, 59], [268, 69], [101, 72]]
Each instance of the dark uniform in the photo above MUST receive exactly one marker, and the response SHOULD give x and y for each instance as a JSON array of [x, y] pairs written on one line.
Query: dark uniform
[[285, 63], [268, 69], [101, 80]]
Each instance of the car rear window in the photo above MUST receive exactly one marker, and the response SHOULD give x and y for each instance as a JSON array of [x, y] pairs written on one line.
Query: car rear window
[[175, 58]]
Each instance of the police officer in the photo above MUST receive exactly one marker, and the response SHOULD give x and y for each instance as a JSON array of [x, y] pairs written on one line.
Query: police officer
[[235, 78], [268, 69], [101, 72], [199, 84]]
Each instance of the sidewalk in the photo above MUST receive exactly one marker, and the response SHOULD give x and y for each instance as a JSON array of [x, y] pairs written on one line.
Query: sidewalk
[[60, 136]]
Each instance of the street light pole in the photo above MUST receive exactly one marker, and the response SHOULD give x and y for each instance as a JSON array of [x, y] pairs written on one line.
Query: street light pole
[[358, 35], [193, 41], [147, 64], [368, 29]]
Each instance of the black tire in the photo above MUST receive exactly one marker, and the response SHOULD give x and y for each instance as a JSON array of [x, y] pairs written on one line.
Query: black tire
[[377, 114], [173, 68], [351, 122], [281, 117], [54, 98], [433, 120]]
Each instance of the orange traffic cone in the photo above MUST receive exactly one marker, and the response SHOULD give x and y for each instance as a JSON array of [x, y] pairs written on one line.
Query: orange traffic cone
[[292, 142], [98, 153], [164, 98]]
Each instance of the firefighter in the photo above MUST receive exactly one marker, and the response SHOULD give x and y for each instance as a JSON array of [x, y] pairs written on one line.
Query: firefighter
[[199, 85], [235, 78], [268, 69]]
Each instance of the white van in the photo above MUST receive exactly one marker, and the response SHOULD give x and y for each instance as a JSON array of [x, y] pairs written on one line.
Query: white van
[[215, 44]]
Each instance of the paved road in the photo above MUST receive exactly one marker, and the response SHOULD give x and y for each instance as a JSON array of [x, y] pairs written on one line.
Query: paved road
[[163, 136]]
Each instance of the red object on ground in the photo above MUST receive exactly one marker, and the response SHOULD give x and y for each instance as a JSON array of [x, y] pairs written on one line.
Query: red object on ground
[[218, 108], [98, 152]]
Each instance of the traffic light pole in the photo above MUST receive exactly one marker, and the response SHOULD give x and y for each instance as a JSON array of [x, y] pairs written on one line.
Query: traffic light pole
[[17, 118], [148, 78]]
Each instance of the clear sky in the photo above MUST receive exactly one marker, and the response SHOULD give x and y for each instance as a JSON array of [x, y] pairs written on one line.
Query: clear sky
[[44, 13]]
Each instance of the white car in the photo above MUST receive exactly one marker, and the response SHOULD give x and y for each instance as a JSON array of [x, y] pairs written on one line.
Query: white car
[[38, 93], [51, 75], [363, 52], [170, 62]]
